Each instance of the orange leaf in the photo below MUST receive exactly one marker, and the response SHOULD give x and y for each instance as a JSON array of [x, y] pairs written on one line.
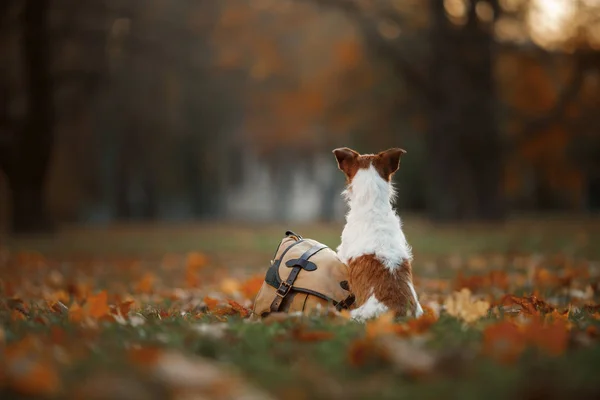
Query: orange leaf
[[503, 342], [76, 313], [60, 295], [361, 351], [251, 287], [16, 315], [382, 325], [195, 261], [551, 338], [243, 311], [301, 335], [191, 278], [57, 335], [146, 284], [125, 306], [58, 307], [79, 290], [35, 377], [223, 310], [529, 304], [98, 305], [144, 356], [211, 303], [423, 323]]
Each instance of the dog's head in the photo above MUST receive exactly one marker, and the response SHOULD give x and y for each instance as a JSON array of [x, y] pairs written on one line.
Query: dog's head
[[386, 163]]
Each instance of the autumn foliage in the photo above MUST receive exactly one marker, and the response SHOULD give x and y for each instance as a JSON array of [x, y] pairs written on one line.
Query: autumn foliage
[[156, 315]]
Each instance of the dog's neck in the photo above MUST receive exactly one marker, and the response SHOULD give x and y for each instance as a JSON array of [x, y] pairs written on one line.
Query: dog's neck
[[372, 226]]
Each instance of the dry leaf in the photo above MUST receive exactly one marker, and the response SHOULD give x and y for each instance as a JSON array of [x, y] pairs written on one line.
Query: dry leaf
[[98, 305], [251, 287], [76, 313], [362, 351], [195, 261], [462, 305], [530, 304], [33, 377], [300, 334], [144, 356], [503, 342], [211, 303], [230, 286], [146, 284], [243, 311], [382, 325], [552, 337]]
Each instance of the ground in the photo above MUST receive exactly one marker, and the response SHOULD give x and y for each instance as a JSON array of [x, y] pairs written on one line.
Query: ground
[[153, 312]]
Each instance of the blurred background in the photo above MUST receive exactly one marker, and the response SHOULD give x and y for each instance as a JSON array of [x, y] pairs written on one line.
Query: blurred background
[[117, 111]]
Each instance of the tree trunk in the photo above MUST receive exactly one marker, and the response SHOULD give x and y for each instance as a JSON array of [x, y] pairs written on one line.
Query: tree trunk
[[463, 141], [27, 169]]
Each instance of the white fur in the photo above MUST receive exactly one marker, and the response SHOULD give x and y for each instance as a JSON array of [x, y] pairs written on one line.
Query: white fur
[[372, 308], [372, 226], [419, 310]]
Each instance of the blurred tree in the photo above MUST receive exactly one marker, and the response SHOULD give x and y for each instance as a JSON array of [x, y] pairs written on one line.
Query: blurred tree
[[27, 146], [454, 82]]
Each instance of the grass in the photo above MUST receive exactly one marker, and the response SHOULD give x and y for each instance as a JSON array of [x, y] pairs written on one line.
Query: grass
[[318, 357]]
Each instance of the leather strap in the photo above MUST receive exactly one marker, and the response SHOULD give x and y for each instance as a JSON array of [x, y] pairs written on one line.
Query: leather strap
[[297, 265], [346, 303]]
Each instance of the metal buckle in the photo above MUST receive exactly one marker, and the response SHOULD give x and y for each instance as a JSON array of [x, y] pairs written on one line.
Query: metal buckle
[[286, 289]]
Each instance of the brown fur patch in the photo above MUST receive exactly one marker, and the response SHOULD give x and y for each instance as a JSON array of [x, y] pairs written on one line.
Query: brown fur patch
[[385, 162], [369, 276]]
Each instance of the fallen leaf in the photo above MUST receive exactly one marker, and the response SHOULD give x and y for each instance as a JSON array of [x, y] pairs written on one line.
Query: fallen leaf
[[125, 306], [302, 335], [503, 342], [462, 305], [76, 313], [146, 284], [251, 286], [243, 311], [195, 261], [98, 305], [33, 377], [211, 303], [362, 352], [383, 325], [230, 286], [145, 356], [16, 315], [552, 337], [530, 304]]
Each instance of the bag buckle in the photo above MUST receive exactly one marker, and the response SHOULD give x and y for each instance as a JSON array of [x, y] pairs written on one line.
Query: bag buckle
[[283, 289]]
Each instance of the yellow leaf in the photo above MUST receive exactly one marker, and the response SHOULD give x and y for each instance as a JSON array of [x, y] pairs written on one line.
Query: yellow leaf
[[230, 286], [462, 305]]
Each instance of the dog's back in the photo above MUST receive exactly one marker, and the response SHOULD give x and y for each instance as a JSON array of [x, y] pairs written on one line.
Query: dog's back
[[373, 244]]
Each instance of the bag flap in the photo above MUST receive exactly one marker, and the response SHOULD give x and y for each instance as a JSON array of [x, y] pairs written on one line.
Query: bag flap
[[324, 280]]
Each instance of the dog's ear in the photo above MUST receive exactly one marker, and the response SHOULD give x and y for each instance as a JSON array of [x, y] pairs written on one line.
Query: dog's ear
[[390, 160], [346, 159]]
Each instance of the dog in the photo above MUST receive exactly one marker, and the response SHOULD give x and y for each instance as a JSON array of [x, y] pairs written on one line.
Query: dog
[[373, 245]]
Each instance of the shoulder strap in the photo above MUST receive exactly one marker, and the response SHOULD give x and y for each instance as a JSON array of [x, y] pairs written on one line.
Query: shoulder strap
[[296, 265]]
